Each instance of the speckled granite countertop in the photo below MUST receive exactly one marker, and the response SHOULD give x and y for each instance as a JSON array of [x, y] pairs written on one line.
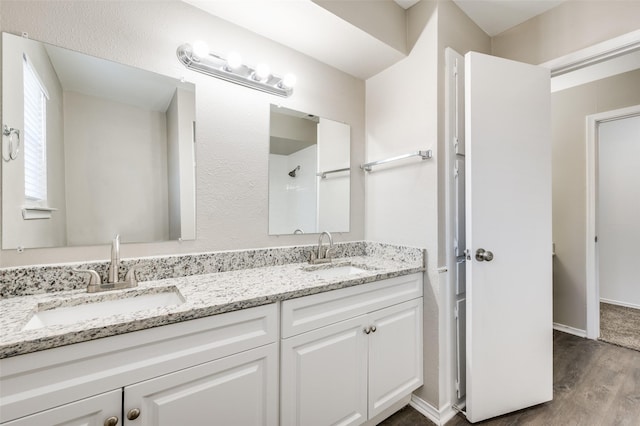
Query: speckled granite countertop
[[204, 295]]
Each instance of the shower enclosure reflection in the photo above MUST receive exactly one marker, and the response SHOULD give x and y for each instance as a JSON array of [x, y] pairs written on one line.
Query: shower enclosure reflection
[[309, 179], [106, 149]]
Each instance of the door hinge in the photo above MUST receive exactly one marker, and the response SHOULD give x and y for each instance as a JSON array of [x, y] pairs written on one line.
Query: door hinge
[[458, 386], [455, 67], [596, 238], [456, 172], [455, 313], [467, 253]]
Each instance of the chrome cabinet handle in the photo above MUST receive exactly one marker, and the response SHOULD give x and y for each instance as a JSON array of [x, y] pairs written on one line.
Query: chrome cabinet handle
[[371, 329], [111, 421], [133, 414], [482, 255]]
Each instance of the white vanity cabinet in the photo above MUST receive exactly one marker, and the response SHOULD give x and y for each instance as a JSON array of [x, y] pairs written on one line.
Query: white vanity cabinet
[[219, 367], [349, 354]]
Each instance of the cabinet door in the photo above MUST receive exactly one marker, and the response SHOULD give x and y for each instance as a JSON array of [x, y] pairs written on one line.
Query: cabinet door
[[324, 376], [91, 411], [395, 354], [240, 389]]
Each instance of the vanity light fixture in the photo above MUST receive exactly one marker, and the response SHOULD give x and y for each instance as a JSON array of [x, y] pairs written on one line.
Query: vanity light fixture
[[198, 58]]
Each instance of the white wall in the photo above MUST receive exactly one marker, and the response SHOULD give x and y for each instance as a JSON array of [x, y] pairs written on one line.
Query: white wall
[[42, 232], [134, 200], [618, 207], [401, 199], [232, 121], [173, 167], [333, 191], [181, 165]]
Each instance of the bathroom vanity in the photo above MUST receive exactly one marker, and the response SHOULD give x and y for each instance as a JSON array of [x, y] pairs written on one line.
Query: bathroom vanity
[[284, 344]]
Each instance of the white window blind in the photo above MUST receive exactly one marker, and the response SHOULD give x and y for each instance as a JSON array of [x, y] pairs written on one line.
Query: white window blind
[[35, 125]]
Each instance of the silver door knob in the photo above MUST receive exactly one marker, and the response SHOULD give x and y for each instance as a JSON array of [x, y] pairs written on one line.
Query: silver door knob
[[111, 421], [133, 414], [367, 330], [482, 255]]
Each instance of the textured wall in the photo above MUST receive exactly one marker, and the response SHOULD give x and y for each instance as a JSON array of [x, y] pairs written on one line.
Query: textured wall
[[233, 121]]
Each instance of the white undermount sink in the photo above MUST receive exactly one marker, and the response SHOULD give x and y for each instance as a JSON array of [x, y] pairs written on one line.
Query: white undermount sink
[[125, 303], [335, 271]]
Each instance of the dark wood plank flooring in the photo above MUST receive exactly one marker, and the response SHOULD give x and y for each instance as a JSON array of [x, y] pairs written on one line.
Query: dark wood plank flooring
[[594, 384]]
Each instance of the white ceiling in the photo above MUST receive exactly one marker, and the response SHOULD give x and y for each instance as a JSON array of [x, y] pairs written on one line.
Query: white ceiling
[[496, 16], [406, 4], [308, 28]]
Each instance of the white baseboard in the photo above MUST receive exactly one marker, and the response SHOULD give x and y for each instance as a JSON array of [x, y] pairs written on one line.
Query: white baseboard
[[570, 330], [439, 417], [616, 302]]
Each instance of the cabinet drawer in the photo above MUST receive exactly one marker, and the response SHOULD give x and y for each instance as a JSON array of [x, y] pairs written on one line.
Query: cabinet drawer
[[311, 312], [89, 411]]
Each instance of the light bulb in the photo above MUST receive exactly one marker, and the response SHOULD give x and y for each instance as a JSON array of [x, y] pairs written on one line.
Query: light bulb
[[262, 72], [234, 60], [200, 49], [289, 80]]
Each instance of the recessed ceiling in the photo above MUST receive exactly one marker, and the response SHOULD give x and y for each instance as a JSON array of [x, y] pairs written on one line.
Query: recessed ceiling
[[496, 16]]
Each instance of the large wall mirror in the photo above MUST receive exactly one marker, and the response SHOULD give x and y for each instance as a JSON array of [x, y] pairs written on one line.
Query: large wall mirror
[[92, 148], [309, 173]]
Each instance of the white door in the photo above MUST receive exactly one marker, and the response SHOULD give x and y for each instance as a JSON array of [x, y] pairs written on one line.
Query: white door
[[324, 375], [508, 214], [240, 389], [618, 206], [395, 354]]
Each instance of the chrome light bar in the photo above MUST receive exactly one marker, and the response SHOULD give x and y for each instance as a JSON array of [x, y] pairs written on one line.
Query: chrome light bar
[[244, 75]]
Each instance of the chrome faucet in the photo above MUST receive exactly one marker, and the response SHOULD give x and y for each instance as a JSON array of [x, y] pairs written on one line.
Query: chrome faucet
[[320, 256], [113, 282], [114, 267]]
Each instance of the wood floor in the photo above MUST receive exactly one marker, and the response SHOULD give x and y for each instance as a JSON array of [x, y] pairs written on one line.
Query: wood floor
[[594, 384]]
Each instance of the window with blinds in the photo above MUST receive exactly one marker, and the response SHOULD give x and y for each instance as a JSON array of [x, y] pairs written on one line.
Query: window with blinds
[[35, 135]]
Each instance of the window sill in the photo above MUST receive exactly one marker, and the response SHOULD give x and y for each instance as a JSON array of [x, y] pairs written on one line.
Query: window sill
[[31, 213]]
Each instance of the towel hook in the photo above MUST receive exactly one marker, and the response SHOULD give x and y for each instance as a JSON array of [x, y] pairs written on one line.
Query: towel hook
[[13, 152]]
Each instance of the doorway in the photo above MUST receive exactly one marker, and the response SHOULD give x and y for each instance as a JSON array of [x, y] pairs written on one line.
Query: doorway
[[613, 199]]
